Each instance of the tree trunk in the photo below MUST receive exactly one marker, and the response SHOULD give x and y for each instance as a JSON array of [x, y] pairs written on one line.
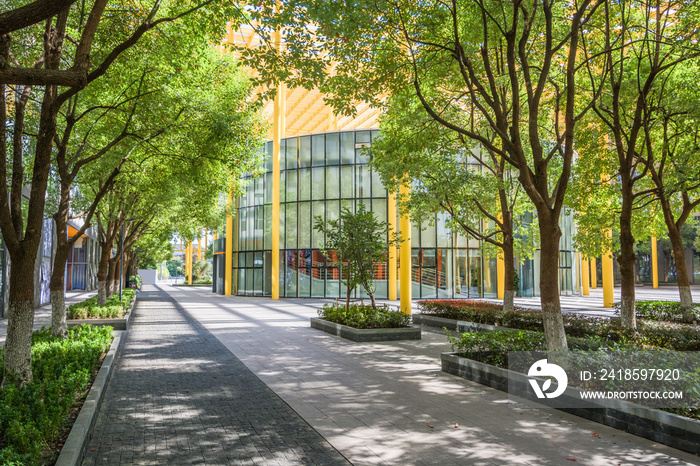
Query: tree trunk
[[674, 235], [508, 262], [113, 278], [549, 283], [56, 287], [102, 268], [18, 346], [627, 257]]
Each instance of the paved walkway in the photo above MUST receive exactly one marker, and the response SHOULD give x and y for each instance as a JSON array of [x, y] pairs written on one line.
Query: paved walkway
[[389, 403], [178, 396]]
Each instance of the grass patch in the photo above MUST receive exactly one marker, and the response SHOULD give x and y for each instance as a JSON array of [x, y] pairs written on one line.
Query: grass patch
[[32, 417], [114, 309], [364, 317]]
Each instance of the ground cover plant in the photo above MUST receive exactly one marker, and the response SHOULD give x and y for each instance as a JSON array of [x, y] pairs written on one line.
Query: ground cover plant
[[669, 311], [32, 416], [114, 309], [493, 347], [650, 334], [364, 317]]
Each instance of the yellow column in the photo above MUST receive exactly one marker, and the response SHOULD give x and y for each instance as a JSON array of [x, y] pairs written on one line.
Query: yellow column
[[189, 262], [594, 274], [228, 272], [236, 243], [405, 226], [654, 263], [199, 246], [392, 250], [501, 275], [585, 276], [607, 266], [277, 135]]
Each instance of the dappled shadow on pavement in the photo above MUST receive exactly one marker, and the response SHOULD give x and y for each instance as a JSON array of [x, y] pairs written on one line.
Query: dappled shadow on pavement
[[178, 396]]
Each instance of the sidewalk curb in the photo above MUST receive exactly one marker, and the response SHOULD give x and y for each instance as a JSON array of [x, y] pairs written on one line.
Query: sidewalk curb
[[78, 439]]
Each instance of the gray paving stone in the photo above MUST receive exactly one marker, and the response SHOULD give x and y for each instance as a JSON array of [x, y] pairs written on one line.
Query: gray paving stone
[[178, 396]]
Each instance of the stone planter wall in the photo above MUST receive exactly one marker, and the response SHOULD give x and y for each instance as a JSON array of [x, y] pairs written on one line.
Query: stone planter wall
[[660, 426], [366, 335]]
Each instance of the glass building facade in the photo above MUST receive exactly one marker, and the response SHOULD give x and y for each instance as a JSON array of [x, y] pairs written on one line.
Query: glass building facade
[[319, 174]]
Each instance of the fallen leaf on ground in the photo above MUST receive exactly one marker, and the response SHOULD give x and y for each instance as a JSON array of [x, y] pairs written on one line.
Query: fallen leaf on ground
[[430, 426], [456, 425], [571, 459], [596, 435]]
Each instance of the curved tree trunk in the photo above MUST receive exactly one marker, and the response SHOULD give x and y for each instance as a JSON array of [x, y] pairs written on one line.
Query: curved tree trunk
[[627, 256], [18, 345], [549, 283]]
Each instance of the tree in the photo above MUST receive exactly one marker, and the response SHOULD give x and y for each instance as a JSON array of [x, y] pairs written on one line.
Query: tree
[[634, 49], [477, 189], [511, 66], [355, 242], [61, 55]]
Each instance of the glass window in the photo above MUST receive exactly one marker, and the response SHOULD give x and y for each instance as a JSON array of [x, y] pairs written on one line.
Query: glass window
[[317, 239], [304, 225], [268, 188], [291, 227], [347, 147], [379, 209], [290, 280], [363, 136], [268, 156], [241, 281], [444, 234], [318, 144], [375, 133], [283, 186], [257, 282], [304, 184], [427, 236], [332, 182], [364, 182], [283, 209], [332, 210], [332, 149], [291, 180], [267, 223], [347, 182], [317, 183], [291, 153], [362, 155], [305, 151], [377, 186], [304, 271]]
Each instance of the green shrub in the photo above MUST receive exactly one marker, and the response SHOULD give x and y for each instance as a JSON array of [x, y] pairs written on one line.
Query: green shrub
[[493, 347], [89, 309], [33, 415], [135, 280], [670, 311], [650, 334], [364, 317]]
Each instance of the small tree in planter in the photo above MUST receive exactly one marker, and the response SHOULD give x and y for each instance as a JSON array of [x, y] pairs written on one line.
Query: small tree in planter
[[360, 241]]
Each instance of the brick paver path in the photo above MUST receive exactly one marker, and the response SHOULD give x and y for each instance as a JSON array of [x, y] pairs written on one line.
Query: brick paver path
[[178, 396]]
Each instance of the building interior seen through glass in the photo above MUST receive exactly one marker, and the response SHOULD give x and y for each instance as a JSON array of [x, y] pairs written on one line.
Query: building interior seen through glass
[[319, 174]]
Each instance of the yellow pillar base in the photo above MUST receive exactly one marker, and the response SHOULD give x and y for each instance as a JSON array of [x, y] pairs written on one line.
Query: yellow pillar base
[[585, 277], [501, 276], [594, 274], [405, 272]]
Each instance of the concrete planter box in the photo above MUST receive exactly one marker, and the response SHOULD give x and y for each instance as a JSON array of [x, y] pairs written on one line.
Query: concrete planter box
[[366, 335], [118, 324], [455, 325], [660, 426]]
